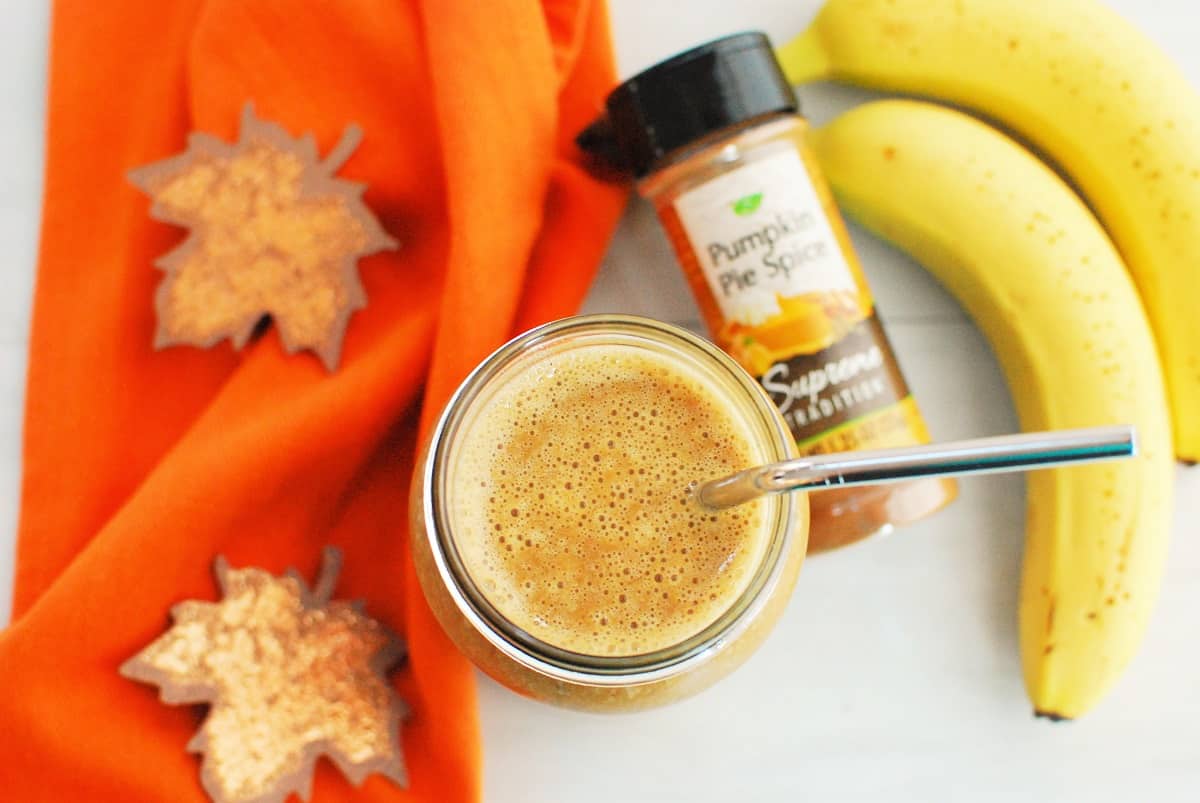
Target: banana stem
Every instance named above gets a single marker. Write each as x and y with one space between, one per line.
804 58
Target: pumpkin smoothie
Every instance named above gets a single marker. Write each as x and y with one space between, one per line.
569 500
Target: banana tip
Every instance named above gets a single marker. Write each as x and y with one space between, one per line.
804 59
1052 716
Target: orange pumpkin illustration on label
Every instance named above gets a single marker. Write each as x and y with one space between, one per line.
805 324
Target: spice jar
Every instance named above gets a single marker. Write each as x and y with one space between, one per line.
714 140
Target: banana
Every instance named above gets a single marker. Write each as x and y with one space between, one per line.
1030 263
1085 88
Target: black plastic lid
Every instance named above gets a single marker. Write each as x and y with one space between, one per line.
719 84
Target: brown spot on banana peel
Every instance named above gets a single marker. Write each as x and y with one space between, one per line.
896 29
1049 646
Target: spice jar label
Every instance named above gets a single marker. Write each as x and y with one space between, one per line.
792 312
762 239
854 377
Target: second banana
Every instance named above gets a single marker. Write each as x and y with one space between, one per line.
1030 263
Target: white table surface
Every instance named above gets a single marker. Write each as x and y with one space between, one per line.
894 673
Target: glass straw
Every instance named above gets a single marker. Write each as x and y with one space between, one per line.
994 455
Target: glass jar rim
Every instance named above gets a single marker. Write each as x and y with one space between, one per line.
548 659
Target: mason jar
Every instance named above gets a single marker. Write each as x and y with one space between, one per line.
536 668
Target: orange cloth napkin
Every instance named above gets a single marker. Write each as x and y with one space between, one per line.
141 466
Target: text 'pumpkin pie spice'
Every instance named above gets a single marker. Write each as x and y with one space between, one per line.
272 233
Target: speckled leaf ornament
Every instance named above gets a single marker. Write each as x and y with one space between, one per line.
272 233
288 675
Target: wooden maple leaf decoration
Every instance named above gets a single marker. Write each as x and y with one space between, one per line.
288 675
272 233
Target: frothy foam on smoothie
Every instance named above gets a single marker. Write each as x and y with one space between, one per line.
569 504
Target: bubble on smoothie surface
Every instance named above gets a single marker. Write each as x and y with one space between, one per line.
569 503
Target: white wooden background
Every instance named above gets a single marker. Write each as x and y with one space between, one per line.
894 674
